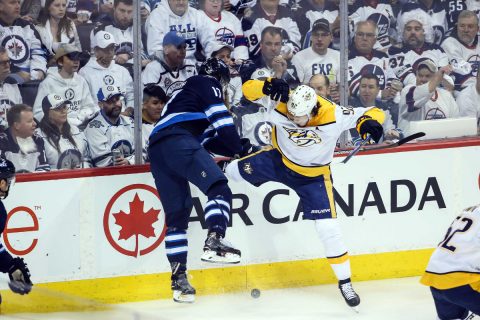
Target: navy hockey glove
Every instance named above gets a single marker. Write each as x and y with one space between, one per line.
19 277
277 89
367 125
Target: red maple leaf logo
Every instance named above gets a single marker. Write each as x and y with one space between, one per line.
137 222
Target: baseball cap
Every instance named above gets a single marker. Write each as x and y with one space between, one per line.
173 38
217 46
103 39
107 92
321 24
53 101
64 49
427 63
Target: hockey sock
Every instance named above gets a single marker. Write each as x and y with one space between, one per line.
176 246
217 209
335 250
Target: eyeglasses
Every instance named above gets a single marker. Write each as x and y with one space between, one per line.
365 35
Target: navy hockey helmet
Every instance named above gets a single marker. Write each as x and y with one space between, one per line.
7 173
216 68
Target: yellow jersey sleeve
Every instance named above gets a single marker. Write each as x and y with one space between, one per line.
252 89
376 114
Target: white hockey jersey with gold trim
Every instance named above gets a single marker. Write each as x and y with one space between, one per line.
307 150
314 144
456 260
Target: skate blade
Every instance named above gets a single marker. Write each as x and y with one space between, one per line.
183 298
228 258
356 309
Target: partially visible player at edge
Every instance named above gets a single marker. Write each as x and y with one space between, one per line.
15 267
194 122
305 133
453 272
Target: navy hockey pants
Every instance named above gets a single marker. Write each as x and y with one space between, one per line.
316 193
456 302
177 158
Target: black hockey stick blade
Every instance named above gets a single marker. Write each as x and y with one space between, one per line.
356 150
398 143
361 147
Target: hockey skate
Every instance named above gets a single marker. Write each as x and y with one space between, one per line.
218 250
350 296
183 292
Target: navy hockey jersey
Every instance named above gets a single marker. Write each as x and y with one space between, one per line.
5 257
199 107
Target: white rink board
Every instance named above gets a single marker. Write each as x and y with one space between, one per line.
72 242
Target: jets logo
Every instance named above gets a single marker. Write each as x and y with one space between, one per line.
303 137
225 35
435 113
70 159
69 94
5 105
17 48
475 62
124 146
263 133
108 80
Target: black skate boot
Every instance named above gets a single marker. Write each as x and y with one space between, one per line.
350 296
218 250
182 290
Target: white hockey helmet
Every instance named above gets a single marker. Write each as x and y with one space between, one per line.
302 101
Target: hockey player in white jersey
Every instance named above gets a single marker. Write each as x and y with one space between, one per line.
102 70
177 15
64 81
426 100
110 130
453 272
170 70
306 131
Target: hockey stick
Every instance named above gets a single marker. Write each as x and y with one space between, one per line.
357 149
387 146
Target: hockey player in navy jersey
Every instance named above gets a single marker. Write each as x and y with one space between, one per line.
194 122
15 267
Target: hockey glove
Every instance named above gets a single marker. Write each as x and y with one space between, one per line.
19 277
247 148
222 164
277 89
365 124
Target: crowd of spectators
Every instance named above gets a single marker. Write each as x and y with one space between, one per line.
66 66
